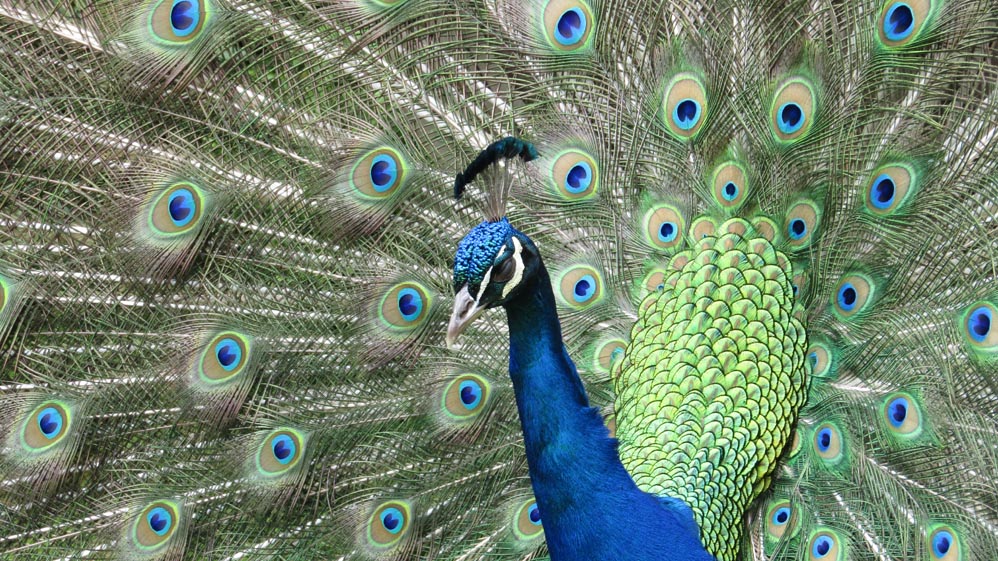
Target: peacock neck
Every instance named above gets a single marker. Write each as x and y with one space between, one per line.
583 492
553 405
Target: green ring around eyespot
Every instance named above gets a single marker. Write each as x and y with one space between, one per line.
173 527
299 452
66 424
197 192
180 42
404 324
404 508
209 348
485 387
521 521
809 116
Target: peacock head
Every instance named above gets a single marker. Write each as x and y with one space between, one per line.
493 262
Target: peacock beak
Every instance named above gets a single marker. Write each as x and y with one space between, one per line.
466 309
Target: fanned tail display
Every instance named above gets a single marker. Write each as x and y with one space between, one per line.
769 233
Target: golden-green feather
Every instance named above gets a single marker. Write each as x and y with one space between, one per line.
227 232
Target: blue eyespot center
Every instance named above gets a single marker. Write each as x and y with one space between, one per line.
813 359
898 411
822 546
797 228
584 289
979 324
900 22
941 543
471 394
579 178
686 114
384 172
571 27
534 514
824 439
882 192
228 353
181 207
847 297
667 232
284 448
50 422
410 303
184 17
616 353
791 118
392 519
781 516
730 191
159 520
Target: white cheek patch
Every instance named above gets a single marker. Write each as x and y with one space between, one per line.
518 271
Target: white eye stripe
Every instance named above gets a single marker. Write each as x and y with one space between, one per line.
488 276
518 272
485 282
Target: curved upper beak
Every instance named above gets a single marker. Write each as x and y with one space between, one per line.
466 309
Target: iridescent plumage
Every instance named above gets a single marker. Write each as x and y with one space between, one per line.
229 248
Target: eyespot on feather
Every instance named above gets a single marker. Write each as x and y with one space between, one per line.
793 111
575 175
828 443
176 23
568 25
729 185
702 227
765 227
389 524
405 306
889 188
852 295
977 325
224 357
902 415
664 226
155 525
655 280
465 397
45 426
819 357
379 174
280 451
801 224
609 351
795 443
527 523
781 520
900 23
580 287
944 544
177 210
825 545
684 105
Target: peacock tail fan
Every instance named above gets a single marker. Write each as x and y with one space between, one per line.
227 232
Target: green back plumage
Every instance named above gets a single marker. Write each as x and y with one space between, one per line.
225 254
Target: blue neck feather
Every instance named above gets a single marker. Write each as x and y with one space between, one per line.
589 505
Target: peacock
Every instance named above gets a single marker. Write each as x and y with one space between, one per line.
252 255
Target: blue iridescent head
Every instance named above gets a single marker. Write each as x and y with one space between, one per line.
477 251
491 262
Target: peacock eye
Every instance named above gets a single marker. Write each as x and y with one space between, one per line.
504 271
